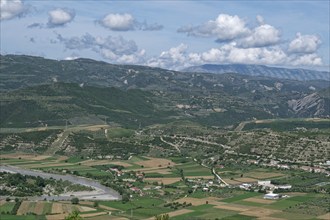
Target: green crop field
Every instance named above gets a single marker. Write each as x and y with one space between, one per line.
239 217
282 204
47 209
289 124
119 133
7 207
23 217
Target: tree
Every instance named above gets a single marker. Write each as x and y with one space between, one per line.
73 216
125 198
162 217
75 200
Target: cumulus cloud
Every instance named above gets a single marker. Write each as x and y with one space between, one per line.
225 27
126 22
116 49
10 9
306 60
262 36
118 22
56 18
179 57
60 17
232 54
175 57
304 44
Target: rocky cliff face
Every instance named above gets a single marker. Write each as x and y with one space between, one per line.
312 103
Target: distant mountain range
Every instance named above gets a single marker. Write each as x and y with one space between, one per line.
260 70
35 90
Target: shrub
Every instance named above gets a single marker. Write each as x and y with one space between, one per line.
75 200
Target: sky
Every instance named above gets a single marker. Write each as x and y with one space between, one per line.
170 34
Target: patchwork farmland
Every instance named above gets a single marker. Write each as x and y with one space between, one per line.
165 188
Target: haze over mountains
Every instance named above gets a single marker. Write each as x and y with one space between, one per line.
261 70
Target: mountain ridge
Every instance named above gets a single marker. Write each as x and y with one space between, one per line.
19 71
262 70
206 98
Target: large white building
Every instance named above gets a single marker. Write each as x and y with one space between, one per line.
271 196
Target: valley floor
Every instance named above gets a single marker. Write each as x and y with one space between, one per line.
178 186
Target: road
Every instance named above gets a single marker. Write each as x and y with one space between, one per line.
219 178
173 145
214 173
100 193
197 140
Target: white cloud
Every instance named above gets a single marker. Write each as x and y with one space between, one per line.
214 55
60 17
118 22
134 58
304 44
225 27
306 60
114 49
11 8
149 27
126 22
178 57
231 54
261 36
260 20
175 58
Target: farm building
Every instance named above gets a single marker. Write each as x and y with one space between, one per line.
264 182
271 196
284 187
245 186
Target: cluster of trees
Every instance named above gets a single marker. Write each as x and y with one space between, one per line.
176 205
25 185
162 217
121 189
102 146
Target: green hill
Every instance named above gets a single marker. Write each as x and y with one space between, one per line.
55 103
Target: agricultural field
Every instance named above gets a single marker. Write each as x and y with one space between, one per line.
175 185
47 210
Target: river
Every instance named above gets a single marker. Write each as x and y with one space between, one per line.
100 193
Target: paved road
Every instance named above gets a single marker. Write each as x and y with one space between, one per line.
100 193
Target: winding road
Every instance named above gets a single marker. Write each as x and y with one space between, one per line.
100 192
